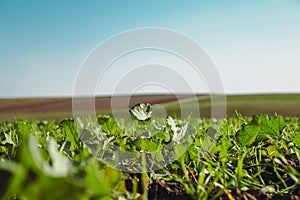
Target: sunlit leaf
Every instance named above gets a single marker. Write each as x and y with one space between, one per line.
8 139
179 131
68 128
259 129
141 111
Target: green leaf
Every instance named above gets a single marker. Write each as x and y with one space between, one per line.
272 150
270 125
207 144
193 153
30 179
239 171
100 182
175 166
296 139
110 126
180 150
162 136
68 128
225 145
247 136
259 129
141 111
157 155
24 129
7 170
147 144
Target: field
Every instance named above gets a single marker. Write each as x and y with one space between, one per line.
59 108
254 153
287 105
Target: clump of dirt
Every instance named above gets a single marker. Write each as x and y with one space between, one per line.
158 190
173 190
164 190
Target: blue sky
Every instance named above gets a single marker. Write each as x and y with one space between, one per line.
255 45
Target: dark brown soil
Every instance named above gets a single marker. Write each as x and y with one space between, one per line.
45 105
160 189
167 190
173 190
59 108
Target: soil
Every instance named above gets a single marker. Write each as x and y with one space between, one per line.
48 105
173 190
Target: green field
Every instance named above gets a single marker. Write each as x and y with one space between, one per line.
287 105
233 158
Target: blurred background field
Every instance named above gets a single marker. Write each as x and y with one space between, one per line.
287 105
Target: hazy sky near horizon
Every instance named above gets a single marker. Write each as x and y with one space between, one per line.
255 45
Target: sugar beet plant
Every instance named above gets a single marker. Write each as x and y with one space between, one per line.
232 158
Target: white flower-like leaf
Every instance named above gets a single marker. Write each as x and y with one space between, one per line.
60 164
179 131
141 111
